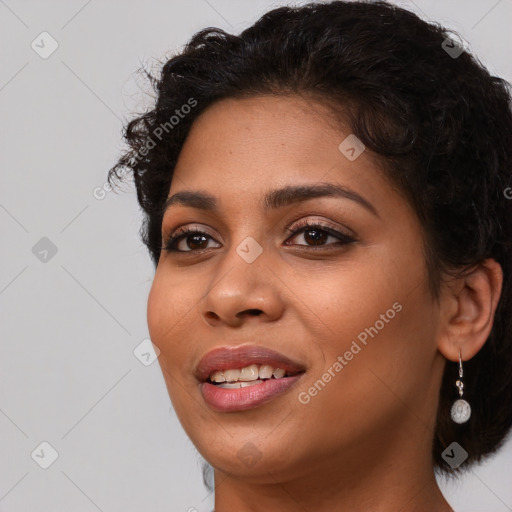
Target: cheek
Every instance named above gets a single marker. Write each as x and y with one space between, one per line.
173 307
379 318
152 311
387 344
349 300
159 312
168 308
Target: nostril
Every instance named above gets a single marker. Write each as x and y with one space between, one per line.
255 312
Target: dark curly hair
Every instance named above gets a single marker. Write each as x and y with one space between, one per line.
436 121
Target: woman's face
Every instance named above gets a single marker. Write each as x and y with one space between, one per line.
351 313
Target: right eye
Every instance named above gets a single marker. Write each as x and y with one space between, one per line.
191 236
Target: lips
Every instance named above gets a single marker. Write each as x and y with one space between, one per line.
221 360
226 358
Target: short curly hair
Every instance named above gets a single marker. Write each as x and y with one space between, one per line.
438 123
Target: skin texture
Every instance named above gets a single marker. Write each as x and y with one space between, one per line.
364 441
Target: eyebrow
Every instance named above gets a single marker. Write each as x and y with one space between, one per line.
273 199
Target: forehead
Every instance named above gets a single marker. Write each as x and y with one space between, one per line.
259 143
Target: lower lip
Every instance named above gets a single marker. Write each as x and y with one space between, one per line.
240 399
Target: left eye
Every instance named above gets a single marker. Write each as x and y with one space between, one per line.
313 234
317 234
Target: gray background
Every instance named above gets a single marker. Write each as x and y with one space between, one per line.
72 320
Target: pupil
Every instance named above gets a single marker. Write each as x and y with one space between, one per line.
195 237
317 238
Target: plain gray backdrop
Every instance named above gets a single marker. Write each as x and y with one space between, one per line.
74 276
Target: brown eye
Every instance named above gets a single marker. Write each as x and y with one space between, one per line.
318 234
192 238
314 236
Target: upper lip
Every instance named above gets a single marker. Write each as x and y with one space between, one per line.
231 357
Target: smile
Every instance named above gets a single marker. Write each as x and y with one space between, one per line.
245 377
248 376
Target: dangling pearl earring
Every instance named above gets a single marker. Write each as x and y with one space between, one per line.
461 411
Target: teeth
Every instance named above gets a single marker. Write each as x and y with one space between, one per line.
250 374
232 375
279 373
227 385
266 371
236 385
218 376
252 383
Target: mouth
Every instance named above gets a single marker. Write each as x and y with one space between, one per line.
251 375
244 377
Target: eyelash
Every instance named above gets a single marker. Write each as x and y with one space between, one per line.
170 242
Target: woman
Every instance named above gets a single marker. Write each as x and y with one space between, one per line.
327 204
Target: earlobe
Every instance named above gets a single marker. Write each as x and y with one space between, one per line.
468 305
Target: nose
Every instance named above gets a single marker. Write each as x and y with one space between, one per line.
244 292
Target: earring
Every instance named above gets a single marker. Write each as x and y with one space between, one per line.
461 411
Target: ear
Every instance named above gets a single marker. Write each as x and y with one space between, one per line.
467 306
